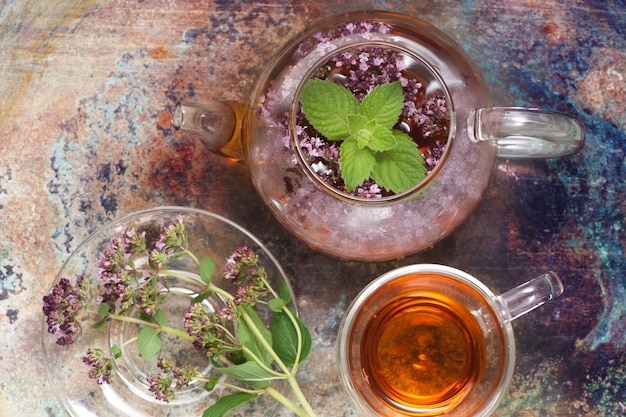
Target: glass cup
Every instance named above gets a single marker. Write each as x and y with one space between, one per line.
427 340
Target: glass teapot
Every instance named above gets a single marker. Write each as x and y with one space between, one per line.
449 114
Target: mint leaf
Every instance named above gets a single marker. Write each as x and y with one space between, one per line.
400 168
383 104
365 135
356 122
207 269
148 342
327 106
370 147
382 139
226 403
356 164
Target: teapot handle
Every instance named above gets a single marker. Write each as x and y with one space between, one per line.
217 124
527 133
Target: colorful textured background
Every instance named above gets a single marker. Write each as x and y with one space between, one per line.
85 88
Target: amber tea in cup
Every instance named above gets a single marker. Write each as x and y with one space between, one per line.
424 349
426 340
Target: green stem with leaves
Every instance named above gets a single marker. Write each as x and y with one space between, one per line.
290 374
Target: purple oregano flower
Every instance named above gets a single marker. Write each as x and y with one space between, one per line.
62 306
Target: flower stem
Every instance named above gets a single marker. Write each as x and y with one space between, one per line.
182 277
290 377
262 340
191 255
165 329
128 342
221 292
262 364
134 320
289 404
176 332
263 278
300 396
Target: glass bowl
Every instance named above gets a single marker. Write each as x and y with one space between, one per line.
128 393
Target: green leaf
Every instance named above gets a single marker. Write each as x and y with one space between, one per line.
226 403
161 317
285 339
202 296
99 324
400 168
249 372
356 122
207 269
276 304
365 135
284 291
116 351
327 106
356 164
211 383
104 310
383 104
382 140
149 342
147 317
249 339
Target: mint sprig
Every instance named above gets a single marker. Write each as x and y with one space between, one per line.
370 146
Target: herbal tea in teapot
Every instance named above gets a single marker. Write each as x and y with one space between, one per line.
372 135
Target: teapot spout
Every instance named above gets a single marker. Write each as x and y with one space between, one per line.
216 124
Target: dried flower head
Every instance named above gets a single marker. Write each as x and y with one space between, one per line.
169 379
62 306
161 386
173 236
100 366
184 374
241 265
148 297
205 327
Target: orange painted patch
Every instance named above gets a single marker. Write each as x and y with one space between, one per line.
159 53
164 120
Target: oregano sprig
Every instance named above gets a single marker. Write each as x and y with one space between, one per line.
370 146
235 340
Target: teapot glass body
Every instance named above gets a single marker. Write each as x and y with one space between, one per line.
266 134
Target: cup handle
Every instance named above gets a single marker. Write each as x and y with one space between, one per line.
527 133
217 124
532 294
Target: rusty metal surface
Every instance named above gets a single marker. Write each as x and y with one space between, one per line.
85 137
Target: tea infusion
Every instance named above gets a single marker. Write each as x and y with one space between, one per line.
423 351
424 117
